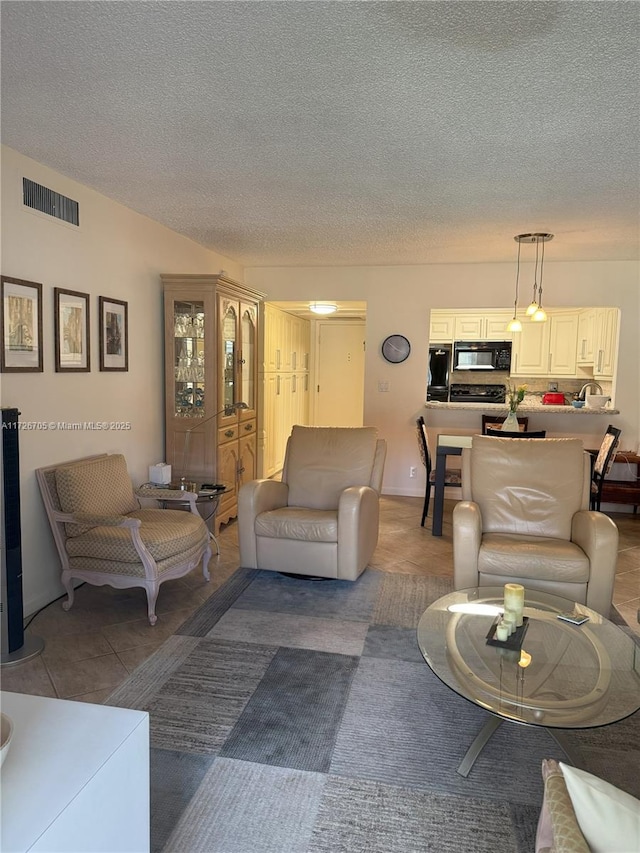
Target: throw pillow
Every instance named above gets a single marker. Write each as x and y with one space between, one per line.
608 817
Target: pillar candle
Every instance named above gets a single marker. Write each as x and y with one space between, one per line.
512 617
509 621
502 631
514 600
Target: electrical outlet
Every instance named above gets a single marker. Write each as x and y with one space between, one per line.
552 386
413 471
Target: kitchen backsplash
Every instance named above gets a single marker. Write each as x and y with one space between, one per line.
536 385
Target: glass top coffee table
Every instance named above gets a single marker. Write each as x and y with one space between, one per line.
565 676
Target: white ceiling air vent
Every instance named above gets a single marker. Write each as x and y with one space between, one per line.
52 203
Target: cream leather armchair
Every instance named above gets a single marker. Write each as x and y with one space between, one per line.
525 517
322 518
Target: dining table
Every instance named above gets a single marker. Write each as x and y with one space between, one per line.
446 445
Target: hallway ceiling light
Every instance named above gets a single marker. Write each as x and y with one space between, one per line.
323 307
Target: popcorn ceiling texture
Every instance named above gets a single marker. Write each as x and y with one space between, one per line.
340 133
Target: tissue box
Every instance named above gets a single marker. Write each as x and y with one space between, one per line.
160 474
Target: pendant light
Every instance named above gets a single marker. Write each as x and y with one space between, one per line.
540 315
532 307
534 310
514 325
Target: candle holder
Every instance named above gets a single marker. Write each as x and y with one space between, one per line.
514 642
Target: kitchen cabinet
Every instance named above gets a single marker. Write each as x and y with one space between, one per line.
546 349
586 337
482 327
605 350
563 335
285 384
597 347
441 327
211 363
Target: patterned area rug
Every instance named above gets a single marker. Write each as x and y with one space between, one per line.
293 716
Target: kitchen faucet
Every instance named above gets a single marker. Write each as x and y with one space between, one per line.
591 385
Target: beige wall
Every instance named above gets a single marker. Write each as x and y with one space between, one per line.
399 300
120 254
116 253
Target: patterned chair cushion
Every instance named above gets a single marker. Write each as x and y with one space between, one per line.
99 487
164 532
558 829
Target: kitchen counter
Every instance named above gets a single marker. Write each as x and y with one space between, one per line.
525 408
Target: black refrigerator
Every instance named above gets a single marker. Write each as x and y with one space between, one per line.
439 370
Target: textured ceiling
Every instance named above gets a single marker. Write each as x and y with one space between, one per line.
290 133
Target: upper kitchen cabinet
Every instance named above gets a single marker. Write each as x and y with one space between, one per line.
211 364
441 327
605 349
598 342
586 336
449 326
546 349
482 327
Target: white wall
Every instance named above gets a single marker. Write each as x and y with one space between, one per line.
116 253
399 300
121 254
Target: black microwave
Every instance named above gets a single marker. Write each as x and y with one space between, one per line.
482 355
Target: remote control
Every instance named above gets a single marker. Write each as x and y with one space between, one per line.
574 618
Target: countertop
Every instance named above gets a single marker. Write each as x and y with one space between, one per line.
525 408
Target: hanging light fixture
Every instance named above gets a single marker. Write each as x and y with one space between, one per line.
540 315
323 307
534 310
532 307
514 325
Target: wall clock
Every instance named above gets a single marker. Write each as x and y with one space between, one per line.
396 348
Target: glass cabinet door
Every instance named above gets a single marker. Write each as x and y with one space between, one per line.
248 356
229 355
188 349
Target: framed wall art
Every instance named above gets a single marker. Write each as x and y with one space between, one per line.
71 326
114 334
21 323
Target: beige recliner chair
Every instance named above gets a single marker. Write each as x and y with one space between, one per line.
525 517
322 519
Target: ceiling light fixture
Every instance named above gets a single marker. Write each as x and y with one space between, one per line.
323 307
514 325
535 310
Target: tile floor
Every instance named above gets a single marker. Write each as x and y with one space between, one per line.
92 648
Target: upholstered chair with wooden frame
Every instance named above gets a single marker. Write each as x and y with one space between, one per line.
104 537
452 476
321 519
524 517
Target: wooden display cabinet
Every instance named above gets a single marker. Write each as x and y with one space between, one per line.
211 351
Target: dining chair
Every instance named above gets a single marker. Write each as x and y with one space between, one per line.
492 422
602 464
499 433
452 476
